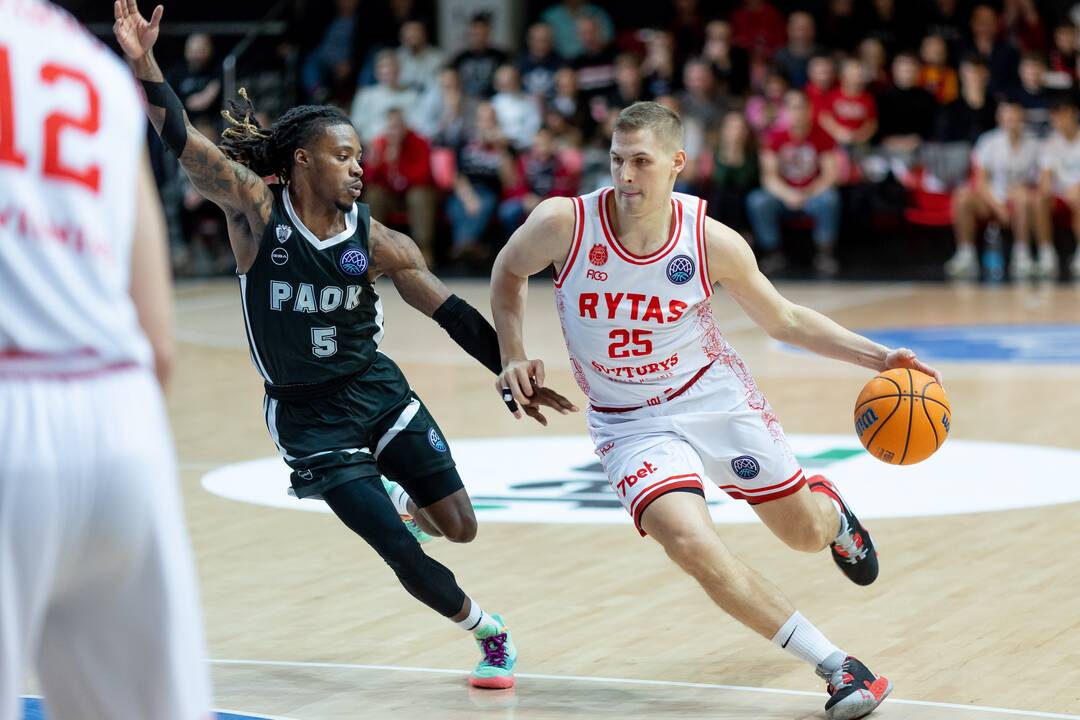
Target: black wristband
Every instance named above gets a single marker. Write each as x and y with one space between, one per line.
471 331
173 131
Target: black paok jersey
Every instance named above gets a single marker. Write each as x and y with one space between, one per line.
310 310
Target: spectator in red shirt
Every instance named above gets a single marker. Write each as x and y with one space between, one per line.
541 174
821 73
849 112
397 177
799 175
760 28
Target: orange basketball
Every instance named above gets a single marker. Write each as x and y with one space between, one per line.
902 416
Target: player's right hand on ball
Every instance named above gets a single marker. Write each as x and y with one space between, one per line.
135 33
519 376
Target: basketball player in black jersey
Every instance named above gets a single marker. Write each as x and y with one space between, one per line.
341 413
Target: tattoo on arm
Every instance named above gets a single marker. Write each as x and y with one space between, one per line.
228 184
220 179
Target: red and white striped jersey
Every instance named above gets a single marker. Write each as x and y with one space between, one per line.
638 328
72 128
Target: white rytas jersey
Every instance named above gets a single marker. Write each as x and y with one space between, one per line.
639 329
72 128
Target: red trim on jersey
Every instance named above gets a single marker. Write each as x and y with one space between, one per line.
659 489
613 240
663 399
17 354
24 372
765 494
706 281
760 499
579 230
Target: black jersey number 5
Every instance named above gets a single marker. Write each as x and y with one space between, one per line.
324 341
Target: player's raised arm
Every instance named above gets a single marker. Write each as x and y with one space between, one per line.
732 264
230 185
544 239
395 255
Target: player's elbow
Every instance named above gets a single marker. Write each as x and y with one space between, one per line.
783 325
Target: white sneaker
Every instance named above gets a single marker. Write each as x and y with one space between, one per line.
1047 264
1021 267
963 265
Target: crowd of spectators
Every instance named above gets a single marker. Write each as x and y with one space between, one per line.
809 118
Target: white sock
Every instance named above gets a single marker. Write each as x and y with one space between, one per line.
400 498
474 619
800 638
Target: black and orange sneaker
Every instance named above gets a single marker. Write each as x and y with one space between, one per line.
854 691
853 550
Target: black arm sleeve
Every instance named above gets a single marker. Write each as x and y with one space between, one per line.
173 132
471 331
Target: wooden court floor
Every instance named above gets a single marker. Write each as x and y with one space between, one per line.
973 614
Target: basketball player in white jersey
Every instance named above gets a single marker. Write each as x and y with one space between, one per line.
671 403
97 585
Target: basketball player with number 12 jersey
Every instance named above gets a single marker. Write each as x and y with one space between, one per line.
671 404
97 583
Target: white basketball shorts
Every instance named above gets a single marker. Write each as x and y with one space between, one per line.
97 584
721 429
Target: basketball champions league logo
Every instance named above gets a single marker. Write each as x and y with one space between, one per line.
680 269
353 261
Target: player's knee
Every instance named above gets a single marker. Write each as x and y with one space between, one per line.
460 528
691 547
809 536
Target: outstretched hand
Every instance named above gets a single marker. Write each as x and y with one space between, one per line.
546 397
905 358
135 33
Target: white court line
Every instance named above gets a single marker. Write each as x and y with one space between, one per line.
664 683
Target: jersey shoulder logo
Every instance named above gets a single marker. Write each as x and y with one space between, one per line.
598 254
353 261
680 269
283 232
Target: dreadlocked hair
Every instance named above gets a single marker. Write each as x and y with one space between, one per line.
270 151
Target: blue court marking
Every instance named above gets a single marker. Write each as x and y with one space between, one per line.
1032 344
33 710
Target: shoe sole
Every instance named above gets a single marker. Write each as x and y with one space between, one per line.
839 716
492 683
